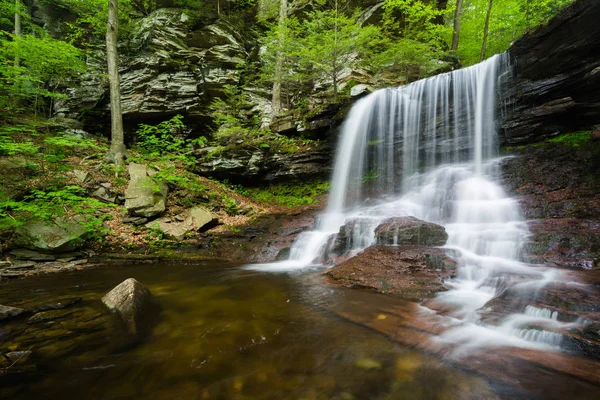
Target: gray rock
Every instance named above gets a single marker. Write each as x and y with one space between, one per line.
19 357
50 315
59 304
360 90
7 312
24 254
198 218
173 230
52 236
103 194
82 176
144 196
65 123
133 303
410 231
137 221
172 68
191 220
77 133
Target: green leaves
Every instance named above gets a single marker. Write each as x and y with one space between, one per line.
49 204
510 19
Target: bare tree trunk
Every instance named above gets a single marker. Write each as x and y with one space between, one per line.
17 29
276 97
485 31
117 145
457 16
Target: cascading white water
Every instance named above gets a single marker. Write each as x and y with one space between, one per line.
428 150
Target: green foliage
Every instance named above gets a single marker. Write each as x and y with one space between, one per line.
52 203
509 20
44 63
165 140
230 205
290 194
575 139
10 145
174 177
416 20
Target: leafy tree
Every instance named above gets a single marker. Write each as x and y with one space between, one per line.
43 62
508 21
332 41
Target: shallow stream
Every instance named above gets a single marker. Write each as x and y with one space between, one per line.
223 333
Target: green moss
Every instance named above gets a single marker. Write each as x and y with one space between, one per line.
289 194
574 139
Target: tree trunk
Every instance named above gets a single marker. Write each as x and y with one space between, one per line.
17 29
485 31
457 16
276 98
117 145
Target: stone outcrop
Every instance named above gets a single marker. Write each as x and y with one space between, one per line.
58 236
145 196
170 67
413 273
249 164
557 77
133 303
178 227
410 231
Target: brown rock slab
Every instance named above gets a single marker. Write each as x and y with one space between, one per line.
411 272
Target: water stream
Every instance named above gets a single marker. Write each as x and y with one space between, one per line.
430 150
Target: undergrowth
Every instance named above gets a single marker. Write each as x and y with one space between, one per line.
575 139
289 194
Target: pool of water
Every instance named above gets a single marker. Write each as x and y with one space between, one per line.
222 333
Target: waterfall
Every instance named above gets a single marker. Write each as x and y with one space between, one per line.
429 150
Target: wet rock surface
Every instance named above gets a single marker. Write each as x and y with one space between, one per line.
269 238
558 187
133 303
412 273
7 312
410 231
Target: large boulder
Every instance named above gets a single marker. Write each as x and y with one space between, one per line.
58 236
413 273
410 231
133 303
144 195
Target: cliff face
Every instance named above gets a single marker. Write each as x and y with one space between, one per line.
169 67
556 87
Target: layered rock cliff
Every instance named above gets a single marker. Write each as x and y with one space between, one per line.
556 87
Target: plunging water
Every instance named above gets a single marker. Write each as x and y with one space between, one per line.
429 150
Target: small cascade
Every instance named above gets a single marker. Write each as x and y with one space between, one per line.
429 150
